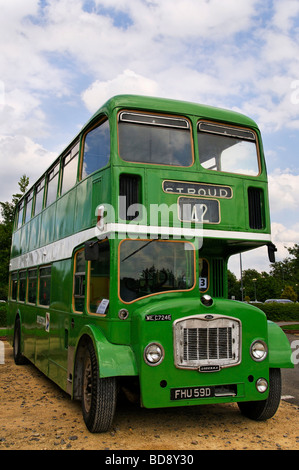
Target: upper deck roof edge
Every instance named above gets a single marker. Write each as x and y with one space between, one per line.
140 102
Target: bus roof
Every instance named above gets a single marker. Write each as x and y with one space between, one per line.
149 103
175 107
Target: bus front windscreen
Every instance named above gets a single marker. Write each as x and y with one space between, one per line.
149 267
223 148
161 140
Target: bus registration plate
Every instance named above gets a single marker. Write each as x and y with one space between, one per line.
189 393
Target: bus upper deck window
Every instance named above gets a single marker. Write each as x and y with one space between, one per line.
29 201
39 196
69 169
20 214
96 149
162 140
228 149
53 176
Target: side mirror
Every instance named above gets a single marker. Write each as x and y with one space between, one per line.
271 252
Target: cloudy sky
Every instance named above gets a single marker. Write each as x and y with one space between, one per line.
61 59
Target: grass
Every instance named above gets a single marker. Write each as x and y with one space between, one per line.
290 327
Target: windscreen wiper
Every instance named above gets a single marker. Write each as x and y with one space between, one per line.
136 251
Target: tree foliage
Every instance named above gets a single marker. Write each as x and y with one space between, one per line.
281 283
6 225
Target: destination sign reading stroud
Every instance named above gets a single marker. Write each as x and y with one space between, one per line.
197 189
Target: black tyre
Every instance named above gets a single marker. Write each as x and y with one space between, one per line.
98 395
17 352
265 409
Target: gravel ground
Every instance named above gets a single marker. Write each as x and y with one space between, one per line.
37 415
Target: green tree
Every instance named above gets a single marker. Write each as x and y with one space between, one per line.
294 262
251 280
6 225
260 286
289 293
286 272
234 286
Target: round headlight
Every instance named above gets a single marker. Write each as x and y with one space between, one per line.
258 350
261 385
207 300
153 354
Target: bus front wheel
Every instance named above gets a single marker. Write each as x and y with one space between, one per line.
98 394
265 409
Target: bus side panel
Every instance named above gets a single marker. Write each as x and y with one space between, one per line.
280 353
42 339
65 215
29 318
60 319
82 212
48 225
15 244
34 233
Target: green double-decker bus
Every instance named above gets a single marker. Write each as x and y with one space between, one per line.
118 272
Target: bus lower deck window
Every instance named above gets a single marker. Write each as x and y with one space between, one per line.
79 282
22 286
99 278
14 286
32 285
44 286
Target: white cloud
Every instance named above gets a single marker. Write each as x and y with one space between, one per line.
255 259
233 54
20 155
284 237
15 10
128 82
285 14
283 191
168 45
22 114
212 19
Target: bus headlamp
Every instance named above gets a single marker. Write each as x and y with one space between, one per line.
153 354
207 300
261 385
258 350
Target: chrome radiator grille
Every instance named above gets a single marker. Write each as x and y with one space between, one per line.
199 341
